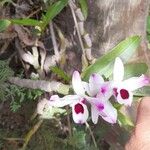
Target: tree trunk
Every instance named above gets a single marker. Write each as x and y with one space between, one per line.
111 21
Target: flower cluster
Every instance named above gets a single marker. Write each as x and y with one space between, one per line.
97 93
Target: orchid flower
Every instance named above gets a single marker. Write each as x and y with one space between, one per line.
77 102
100 105
98 94
123 89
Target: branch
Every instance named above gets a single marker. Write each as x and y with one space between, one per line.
41 84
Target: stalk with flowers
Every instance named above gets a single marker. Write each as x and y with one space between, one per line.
97 93
101 88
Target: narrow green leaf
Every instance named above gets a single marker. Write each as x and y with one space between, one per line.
124 120
25 22
84 7
148 24
148 37
104 64
61 73
144 91
4 23
135 69
53 11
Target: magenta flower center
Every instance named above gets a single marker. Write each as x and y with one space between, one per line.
100 107
79 108
103 90
124 94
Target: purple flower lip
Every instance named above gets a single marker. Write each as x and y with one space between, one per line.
79 108
124 94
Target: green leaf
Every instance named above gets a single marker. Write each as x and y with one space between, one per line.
25 22
84 7
148 24
104 64
124 120
4 23
61 73
135 69
144 91
52 12
148 37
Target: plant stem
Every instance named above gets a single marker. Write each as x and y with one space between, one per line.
91 133
77 27
41 84
68 120
31 133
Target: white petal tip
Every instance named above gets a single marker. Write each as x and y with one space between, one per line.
118 59
76 73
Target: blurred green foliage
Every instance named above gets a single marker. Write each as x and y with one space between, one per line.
15 94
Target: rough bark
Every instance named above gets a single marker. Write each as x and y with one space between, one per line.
111 21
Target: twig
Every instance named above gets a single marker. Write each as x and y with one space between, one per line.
31 133
41 84
56 52
4 47
92 135
33 13
76 25
13 139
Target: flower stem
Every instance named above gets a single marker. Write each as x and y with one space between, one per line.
91 133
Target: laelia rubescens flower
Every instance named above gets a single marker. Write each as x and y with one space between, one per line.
123 89
98 94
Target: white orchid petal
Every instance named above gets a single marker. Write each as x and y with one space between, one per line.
77 84
95 82
109 113
94 114
105 91
86 87
56 101
136 82
79 112
109 120
118 72
93 100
